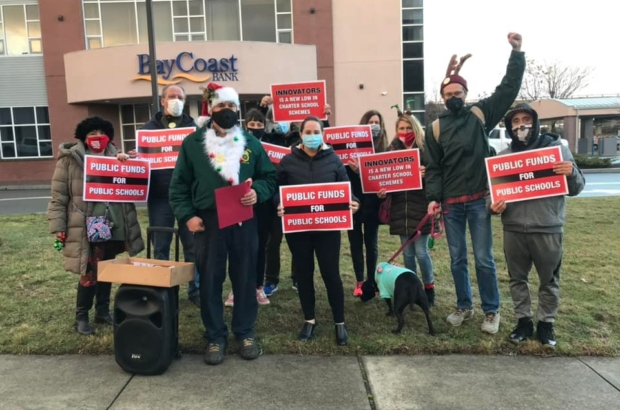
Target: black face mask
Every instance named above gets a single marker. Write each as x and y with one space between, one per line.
225 118
455 104
259 133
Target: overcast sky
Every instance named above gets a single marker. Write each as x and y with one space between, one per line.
573 32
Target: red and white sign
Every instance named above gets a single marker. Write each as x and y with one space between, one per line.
276 152
161 147
106 179
350 142
526 175
393 171
316 207
294 102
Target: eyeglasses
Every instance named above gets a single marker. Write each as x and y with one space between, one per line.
457 94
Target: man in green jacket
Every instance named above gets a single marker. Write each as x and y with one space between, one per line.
221 154
456 146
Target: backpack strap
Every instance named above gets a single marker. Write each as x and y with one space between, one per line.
436 129
478 113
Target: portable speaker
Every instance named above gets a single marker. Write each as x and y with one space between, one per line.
145 328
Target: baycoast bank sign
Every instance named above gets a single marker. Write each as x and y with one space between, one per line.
187 66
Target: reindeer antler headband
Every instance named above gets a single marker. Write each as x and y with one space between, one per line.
452 73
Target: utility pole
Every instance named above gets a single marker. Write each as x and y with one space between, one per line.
153 58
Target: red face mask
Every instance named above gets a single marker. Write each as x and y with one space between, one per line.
97 143
407 138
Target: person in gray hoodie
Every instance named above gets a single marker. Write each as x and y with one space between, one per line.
534 231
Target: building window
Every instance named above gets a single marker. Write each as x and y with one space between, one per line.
25 133
123 22
133 117
413 57
20 30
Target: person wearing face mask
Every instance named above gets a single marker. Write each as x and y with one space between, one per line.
255 125
284 134
221 154
366 222
160 212
67 213
408 208
456 147
313 162
534 231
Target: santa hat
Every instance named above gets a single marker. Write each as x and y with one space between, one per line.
452 74
214 94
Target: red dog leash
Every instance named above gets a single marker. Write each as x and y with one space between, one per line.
434 233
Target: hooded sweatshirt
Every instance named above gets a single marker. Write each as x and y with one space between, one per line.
544 215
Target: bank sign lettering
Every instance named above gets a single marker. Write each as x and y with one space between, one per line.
186 67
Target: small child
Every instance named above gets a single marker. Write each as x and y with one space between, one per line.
534 231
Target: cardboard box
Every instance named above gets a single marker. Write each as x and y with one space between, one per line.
147 272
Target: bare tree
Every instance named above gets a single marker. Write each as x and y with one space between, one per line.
553 80
433 106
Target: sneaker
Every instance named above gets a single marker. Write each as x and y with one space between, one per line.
294 287
270 289
248 349
261 298
490 323
546 334
215 354
358 289
524 330
230 301
460 315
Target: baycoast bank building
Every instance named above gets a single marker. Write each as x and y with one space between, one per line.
64 60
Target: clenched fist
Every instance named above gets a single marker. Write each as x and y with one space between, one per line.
515 41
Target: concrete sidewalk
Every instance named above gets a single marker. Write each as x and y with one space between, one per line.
296 382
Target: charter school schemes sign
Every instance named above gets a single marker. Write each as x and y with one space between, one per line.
526 175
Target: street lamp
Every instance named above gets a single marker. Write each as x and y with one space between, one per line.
153 59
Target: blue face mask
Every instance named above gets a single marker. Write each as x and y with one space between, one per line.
313 141
284 127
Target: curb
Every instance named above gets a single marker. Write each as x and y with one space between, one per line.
601 171
23 187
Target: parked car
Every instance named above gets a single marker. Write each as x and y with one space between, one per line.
499 139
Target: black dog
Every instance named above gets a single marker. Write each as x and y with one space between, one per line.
408 291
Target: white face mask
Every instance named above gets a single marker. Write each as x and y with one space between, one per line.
523 132
175 107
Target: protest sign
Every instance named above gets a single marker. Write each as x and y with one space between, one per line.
316 207
525 175
106 179
350 142
294 102
161 147
276 152
393 171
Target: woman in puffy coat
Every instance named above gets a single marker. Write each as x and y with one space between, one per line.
408 208
313 162
67 213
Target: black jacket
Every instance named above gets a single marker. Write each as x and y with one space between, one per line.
455 160
298 168
160 179
408 208
369 203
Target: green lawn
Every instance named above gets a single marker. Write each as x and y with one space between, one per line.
37 299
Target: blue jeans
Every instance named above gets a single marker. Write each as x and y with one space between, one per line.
476 215
160 214
419 250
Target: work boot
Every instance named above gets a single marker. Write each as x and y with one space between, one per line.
83 304
102 307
